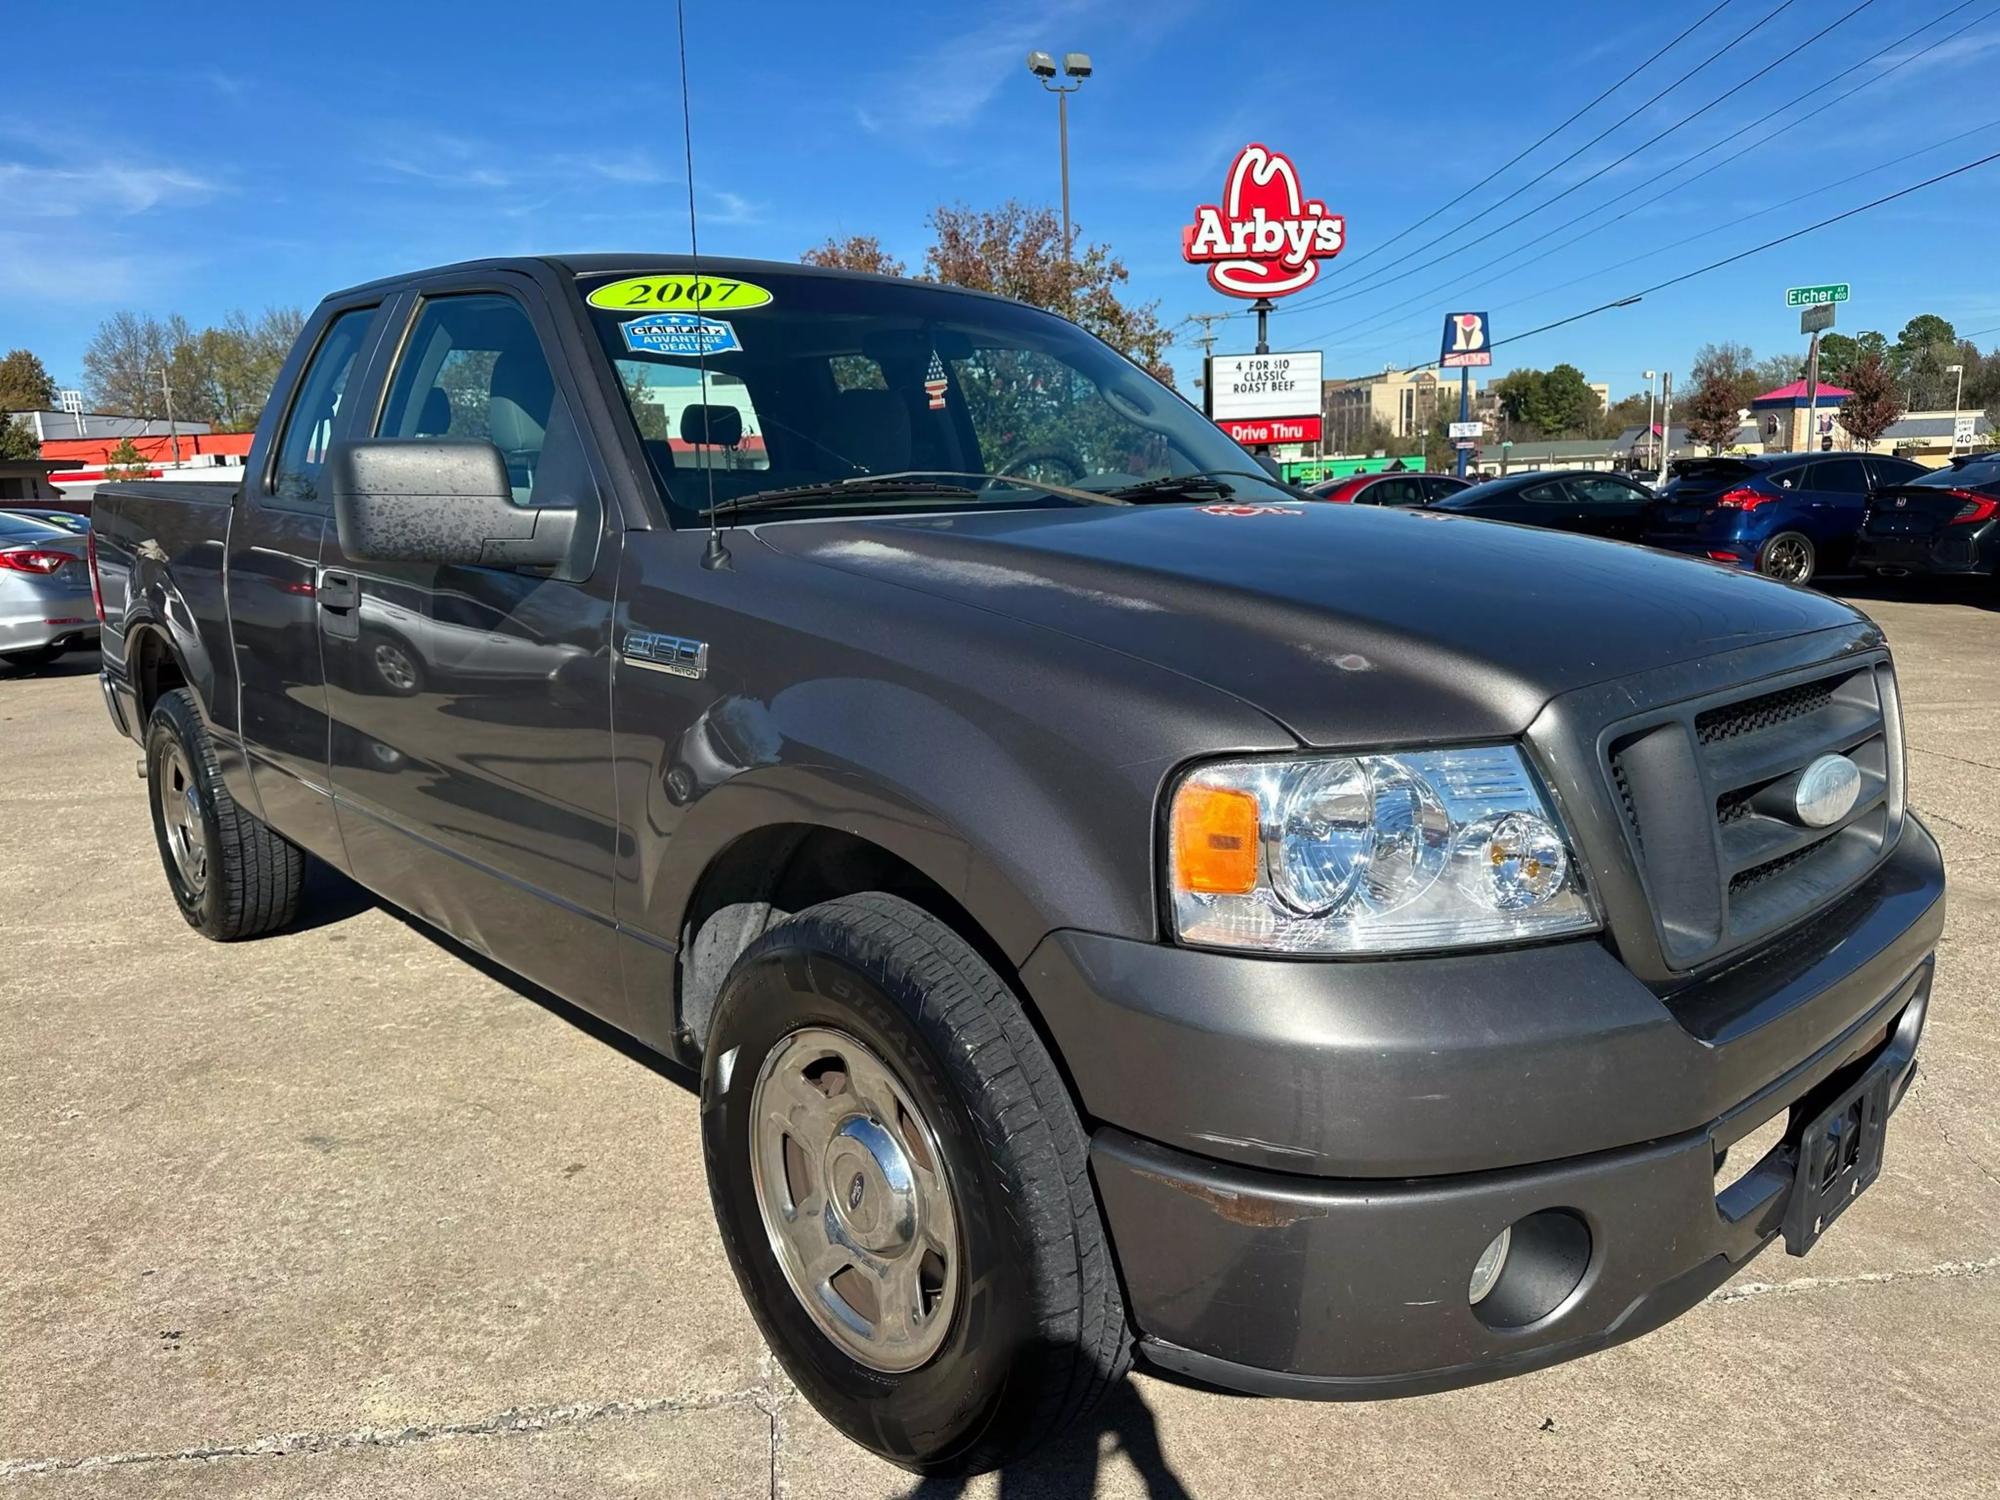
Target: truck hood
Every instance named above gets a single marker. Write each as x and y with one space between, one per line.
1347 624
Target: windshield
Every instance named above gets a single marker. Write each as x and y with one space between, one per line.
1963 475
816 380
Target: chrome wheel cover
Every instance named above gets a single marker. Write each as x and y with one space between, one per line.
853 1194
181 820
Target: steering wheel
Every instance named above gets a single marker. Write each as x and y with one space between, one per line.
1020 458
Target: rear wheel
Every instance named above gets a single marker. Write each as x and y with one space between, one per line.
1789 558
903 1188
231 876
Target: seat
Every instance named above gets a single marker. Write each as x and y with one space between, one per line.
435 419
517 414
870 429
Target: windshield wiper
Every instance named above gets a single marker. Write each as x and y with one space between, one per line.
861 487
1212 482
903 482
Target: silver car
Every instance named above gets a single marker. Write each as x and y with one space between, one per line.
45 601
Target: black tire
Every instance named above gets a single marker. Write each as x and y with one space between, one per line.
249 878
1789 557
1038 1332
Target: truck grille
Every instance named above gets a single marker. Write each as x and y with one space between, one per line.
1707 793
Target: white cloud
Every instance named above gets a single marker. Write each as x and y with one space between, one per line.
67 192
947 87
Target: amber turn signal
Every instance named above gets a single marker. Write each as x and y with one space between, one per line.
1215 841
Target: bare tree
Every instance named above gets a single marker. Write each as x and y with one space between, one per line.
119 365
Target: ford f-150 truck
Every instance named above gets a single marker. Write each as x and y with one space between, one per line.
1332 951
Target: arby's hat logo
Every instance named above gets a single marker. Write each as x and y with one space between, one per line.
1266 238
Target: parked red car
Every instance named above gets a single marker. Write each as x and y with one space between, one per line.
1388 489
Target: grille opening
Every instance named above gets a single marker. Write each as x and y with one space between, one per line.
1733 807
1625 802
1715 725
1756 875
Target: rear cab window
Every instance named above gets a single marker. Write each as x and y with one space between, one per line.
300 455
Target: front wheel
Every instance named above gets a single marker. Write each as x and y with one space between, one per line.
902 1185
1789 558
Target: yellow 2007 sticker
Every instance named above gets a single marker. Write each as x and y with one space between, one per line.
679 289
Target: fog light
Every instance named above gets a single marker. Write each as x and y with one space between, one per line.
1486 1270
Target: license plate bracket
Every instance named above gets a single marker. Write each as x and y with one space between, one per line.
1839 1156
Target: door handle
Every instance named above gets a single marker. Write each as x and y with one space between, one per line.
339 591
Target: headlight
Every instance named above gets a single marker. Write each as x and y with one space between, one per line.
1370 854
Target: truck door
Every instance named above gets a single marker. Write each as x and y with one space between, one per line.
273 562
470 706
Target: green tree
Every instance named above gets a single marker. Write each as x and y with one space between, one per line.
126 462
25 383
1923 351
1874 404
1713 412
17 440
1839 355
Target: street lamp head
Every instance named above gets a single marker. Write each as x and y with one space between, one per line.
1651 374
1041 65
1076 64
1954 369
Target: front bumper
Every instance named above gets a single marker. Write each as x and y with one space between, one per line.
1412 1109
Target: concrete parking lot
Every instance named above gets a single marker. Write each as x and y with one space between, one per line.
343 1212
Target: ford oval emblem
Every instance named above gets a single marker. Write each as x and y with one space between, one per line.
1828 790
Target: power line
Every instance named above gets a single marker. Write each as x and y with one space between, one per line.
1629 115
1457 281
1727 260
1645 145
1700 235
1542 140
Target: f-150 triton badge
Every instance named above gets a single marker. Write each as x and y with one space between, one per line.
666 653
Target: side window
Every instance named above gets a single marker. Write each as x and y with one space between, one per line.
1544 494
1597 490
1887 471
1390 492
472 368
308 429
1838 476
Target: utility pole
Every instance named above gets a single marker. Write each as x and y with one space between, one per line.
1957 401
173 433
1666 420
1206 338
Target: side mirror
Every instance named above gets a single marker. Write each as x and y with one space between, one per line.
439 500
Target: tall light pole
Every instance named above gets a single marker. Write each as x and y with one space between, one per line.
1651 376
1076 67
1957 400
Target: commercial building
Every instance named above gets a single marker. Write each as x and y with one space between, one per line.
57 426
1401 400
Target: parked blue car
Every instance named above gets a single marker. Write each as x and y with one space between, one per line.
1790 516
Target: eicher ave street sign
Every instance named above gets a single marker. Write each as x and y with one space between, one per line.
1266 238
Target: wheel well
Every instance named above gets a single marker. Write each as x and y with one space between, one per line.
767 875
155 670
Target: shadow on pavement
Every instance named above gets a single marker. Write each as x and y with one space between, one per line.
69 664
1980 593
1069 1469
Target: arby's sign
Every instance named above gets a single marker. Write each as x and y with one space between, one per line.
1266 238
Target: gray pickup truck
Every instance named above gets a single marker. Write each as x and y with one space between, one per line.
1114 902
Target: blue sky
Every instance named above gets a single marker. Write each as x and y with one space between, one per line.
239 156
